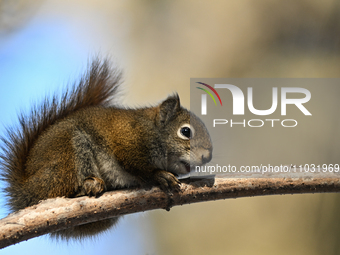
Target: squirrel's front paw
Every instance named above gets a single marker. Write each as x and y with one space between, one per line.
93 186
167 181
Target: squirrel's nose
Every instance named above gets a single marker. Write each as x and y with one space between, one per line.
206 156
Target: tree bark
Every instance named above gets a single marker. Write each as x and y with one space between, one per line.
60 213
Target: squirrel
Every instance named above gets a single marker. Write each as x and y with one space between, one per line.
80 144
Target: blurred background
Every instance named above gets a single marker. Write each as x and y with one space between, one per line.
160 45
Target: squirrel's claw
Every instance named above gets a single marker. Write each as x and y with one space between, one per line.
167 181
93 186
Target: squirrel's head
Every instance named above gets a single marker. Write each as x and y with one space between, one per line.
187 141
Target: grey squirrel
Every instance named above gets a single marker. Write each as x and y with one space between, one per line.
79 145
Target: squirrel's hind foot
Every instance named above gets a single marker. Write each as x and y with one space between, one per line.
92 186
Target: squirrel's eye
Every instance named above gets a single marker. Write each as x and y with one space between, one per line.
185 132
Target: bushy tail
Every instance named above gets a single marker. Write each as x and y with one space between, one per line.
96 88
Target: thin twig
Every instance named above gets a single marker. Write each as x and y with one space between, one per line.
61 213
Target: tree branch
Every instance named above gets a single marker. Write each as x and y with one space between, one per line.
61 213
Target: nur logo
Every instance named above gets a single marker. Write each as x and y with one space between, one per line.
204 97
239 99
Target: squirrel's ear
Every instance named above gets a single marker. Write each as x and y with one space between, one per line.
168 108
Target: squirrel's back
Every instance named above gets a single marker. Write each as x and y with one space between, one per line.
96 88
